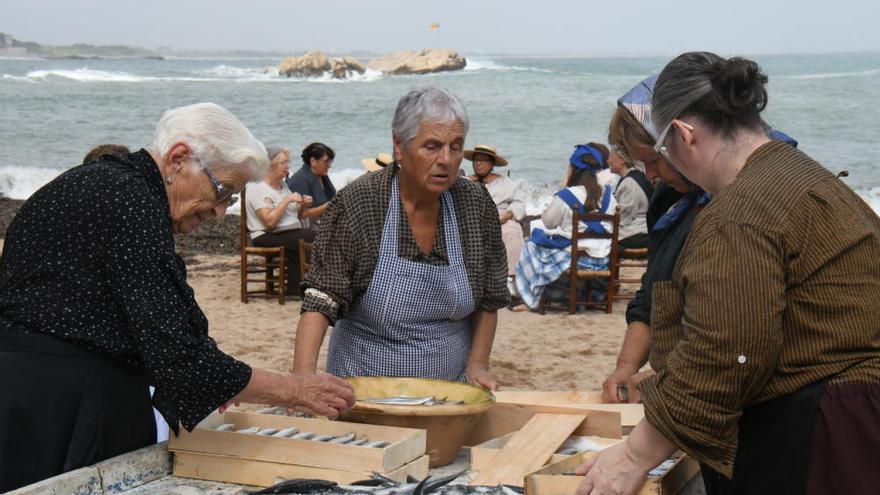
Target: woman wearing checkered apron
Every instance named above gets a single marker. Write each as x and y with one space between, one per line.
409 264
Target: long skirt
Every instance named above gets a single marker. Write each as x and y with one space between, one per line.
512 236
820 440
290 240
64 407
539 266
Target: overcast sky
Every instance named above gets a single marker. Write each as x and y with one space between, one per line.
470 26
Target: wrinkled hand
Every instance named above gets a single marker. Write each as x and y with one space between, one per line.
482 377
294 198
612 472
308 200
322 394
622 376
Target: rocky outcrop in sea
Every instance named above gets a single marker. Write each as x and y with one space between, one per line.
423 62
315 64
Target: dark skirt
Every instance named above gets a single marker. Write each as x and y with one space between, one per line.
290 240
637 241
819 440
845 457
64 407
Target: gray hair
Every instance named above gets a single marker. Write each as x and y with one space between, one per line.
423 104
725 94
215 136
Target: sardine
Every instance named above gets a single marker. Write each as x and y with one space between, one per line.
359 441
300 486
267 431
343 439
277 410
376 444
323 438
252 429
287 432
225 427
400 400
303 435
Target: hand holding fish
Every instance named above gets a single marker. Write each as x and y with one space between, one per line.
622 469
612 472
621 377
482 377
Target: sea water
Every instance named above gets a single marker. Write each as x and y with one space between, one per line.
533 109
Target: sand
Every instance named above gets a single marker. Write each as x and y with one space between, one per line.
555 351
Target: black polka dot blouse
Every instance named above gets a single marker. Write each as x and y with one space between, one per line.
90 259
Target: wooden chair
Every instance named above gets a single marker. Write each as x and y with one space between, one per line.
629 258
264 272
576 274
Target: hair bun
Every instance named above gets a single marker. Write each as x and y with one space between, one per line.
740 85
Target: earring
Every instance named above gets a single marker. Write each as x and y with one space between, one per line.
169 179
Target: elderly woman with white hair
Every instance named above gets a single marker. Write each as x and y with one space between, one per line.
409 265
94 304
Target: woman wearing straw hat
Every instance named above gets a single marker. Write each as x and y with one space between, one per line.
381 161
511 209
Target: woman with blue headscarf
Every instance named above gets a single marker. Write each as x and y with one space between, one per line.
547 255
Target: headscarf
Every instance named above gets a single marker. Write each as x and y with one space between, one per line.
638 102
583 150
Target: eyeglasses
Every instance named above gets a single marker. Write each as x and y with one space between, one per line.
223 193
660 145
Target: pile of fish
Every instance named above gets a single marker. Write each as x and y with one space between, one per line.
403 400
347 439
380 485
283 411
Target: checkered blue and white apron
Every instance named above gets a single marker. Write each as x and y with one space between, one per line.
414 318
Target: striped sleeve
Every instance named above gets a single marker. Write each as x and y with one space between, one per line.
732 322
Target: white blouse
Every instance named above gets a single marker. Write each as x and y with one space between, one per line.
505 195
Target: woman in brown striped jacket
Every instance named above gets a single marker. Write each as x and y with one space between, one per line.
766 342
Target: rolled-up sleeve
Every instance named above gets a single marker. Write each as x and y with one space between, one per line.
731 294
327 287
192 376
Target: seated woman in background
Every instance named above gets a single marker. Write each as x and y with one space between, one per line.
633 193
274 214
545 257
511 209
312 180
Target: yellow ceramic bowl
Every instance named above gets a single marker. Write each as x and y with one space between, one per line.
448 425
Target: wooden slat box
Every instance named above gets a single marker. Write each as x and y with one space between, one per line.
482 454
406 444
666 480
630 414
262 473
506 418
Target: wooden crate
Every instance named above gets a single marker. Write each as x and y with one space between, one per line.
406 444
262 473
553 480
630 414
482 454
506 418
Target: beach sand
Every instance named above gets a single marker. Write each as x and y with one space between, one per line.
555 351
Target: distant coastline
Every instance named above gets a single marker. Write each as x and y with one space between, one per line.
12 47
